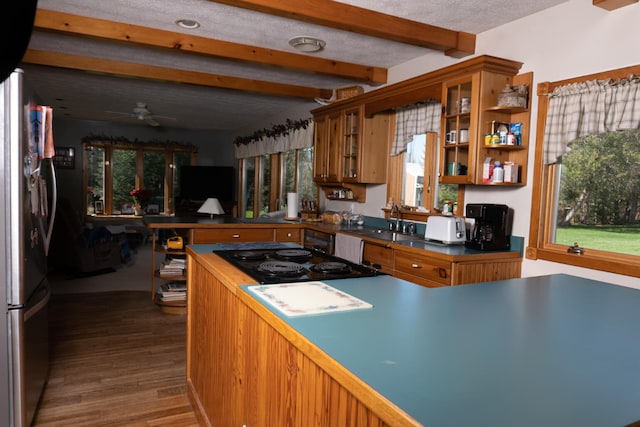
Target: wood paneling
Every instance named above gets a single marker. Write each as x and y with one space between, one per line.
245 370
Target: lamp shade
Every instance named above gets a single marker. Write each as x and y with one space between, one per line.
212 207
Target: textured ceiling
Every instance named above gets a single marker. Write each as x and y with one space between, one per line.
93 96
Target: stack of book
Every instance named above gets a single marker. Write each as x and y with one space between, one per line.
173 267
172 291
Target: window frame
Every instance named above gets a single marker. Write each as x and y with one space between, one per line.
276 182
540 245
395 167
109 147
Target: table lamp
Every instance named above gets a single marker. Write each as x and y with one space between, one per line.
212 207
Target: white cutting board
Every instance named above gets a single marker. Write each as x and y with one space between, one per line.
304 298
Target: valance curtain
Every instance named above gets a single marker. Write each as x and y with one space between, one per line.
587 108
415 120
293 139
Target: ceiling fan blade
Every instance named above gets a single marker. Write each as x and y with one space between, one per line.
151 122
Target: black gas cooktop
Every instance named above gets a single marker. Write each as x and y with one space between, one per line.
293 265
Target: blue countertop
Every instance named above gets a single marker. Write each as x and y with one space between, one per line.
548 351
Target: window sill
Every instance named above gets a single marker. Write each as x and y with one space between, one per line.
592 259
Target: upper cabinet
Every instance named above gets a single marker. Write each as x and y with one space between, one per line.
327 159
349 148
481 126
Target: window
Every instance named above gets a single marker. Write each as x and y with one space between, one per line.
266 180
414 178
585 207
113 169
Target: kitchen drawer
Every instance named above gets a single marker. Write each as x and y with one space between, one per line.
432 271
378 256
288 235
223 235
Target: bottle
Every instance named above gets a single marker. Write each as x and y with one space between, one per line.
498 172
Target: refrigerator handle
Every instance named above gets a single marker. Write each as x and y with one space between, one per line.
54 205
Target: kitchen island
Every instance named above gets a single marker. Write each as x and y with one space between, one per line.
554 351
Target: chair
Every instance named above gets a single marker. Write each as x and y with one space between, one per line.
80 248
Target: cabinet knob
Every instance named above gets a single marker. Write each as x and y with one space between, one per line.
289 234
414 265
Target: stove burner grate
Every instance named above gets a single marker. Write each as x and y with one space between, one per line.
331 267
281 268
294 254
249 255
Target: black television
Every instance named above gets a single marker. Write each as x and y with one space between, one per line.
198 183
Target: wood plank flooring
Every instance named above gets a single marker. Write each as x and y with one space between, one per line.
116 360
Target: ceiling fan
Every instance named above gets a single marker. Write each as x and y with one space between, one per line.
142 113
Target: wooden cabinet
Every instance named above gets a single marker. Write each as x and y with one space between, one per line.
349 148
432 271
326 160
242 370
235 234
470 111
422 269
378 256
289 235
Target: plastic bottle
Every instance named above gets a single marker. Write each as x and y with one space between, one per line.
498 172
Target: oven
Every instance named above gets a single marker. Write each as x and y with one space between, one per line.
319 241
268 266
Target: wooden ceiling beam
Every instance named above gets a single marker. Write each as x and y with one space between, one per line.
151 72
365 21
66 23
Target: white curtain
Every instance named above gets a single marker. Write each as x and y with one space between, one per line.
415 120
294 139
587 108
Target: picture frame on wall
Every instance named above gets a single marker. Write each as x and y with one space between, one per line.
65 158
127 208
153 209
98 206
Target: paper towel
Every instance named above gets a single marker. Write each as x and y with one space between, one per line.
292 205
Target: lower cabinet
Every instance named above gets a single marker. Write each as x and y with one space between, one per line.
245 234
225 235
422 269
293 235
243 369
431 271
378 256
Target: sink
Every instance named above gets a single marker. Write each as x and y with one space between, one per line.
387 235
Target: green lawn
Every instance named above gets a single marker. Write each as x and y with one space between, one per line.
614 238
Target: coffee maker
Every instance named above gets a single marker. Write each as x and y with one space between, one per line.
492 228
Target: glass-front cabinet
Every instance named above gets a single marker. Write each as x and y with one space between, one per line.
480 134
351 141
458 124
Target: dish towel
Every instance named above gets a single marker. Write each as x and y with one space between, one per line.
348 247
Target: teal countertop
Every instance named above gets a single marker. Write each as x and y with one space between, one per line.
546 351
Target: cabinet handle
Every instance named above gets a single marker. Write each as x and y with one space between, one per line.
414 265
442 273
235 236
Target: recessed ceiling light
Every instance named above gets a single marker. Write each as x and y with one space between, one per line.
307 44
189 24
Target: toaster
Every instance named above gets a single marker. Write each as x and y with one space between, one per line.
450 230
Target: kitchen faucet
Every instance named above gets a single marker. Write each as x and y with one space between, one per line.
396 208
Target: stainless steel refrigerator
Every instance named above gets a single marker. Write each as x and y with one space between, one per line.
27 210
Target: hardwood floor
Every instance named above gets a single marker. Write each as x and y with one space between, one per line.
116 360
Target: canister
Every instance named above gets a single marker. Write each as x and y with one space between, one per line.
465 105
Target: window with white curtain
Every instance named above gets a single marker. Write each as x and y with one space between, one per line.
272 166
